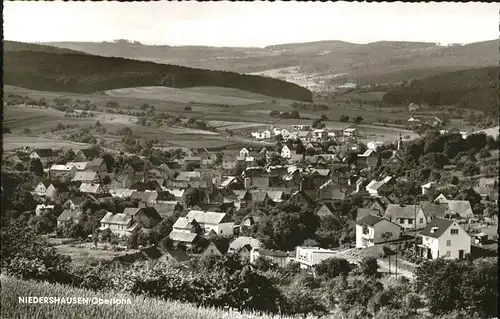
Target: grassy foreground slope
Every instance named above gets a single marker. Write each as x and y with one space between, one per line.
474 89
141 307
35 67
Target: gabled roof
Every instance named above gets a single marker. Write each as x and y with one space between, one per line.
147 197
151 253
259 196
85 176
45 152
372 220
363 212
460 207
242 241
68 214
77 200
240 194
203 217
117 219
90 188
178 255
434 209
401 211
90 152
183 223
329 206
182 237
439 225
60 186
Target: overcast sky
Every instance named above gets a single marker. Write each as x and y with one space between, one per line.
249 23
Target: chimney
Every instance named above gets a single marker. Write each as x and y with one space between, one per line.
248 182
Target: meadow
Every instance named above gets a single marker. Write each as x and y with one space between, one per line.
142 307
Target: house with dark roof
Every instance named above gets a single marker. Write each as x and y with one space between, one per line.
444 238
214 249
40 189
300 198
151 185
74 215
433 210
55 189
406 216
249 221
147 217
372 230
45 155
176 256
75 202
86 155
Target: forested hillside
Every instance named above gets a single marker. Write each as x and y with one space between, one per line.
474 89
32 66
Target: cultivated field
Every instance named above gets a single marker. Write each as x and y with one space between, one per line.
142 307
180 95
293 75
222 91
11 142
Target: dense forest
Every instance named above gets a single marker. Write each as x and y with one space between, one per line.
64 71
474 89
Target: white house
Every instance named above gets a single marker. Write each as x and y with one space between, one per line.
262 135
301 127
280 258
121 225
244 152
373 187
281 131
349 132
40 208
406 216
372 230
288 151
444 238
219 223
308 257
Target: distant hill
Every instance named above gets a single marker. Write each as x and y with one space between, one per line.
372 63
474 89
47 68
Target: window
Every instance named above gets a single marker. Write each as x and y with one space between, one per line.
448 243
454 231
421 220
401 220
448 253
410 221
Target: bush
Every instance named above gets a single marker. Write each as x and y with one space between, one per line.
369 267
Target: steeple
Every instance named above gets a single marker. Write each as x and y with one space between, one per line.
400 142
